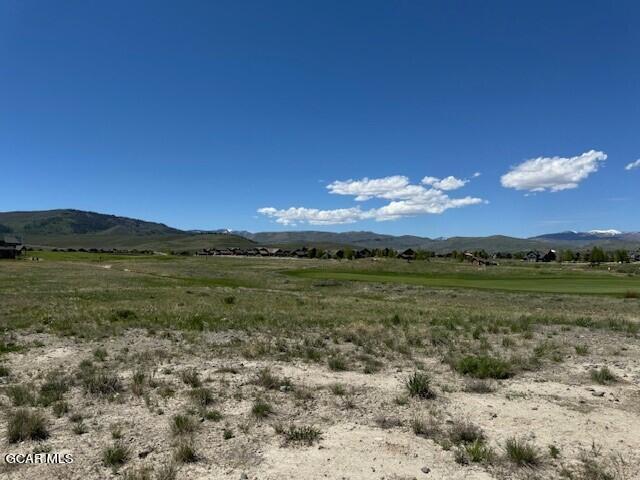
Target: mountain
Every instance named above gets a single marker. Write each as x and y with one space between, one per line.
79 229
77 222
376 240
605 238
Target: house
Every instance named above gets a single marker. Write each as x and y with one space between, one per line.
470 257
300 252
634 256
550 256
408 254
532 256
364 253
11 247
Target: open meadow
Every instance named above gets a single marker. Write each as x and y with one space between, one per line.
164 367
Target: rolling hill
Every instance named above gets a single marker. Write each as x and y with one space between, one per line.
80 229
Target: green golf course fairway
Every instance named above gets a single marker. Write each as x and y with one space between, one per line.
585 284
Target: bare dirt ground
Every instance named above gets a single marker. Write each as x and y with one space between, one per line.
364 420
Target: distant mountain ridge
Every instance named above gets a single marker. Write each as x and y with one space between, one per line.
71 228
77 228
606 238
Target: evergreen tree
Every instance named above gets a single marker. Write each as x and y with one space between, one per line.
598 255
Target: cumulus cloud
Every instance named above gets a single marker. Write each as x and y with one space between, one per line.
448 183
313 216
406 200
553 173
365 189
633 165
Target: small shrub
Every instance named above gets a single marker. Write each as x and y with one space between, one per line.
337 389
60 408
303 394
385 422
201 397
508 342
465 432
270 381
554 452
337 363
480 386
20 395
603 376
116 431
185 452
138 381
419 385
479 452
372 366
52 390
141 473
79 428
4 371
167 471
582 350
124 314
213 415
227 434
306 435
100 354
348 401
425 428
522 453
631 294
75 418
261 409
116 455
102 384
182 425
484 367
191 377
229 300
23 424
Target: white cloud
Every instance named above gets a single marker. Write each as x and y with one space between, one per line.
633 165
365 189
313 216
406 200
553 173
448 183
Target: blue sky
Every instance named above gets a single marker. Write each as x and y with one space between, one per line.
198 114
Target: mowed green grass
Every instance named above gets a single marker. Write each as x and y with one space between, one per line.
570 283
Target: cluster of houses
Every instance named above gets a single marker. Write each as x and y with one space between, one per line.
11 247
476 260
534 256
106 251
305 252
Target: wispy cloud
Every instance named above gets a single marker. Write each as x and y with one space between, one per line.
553 173
633 165
406 200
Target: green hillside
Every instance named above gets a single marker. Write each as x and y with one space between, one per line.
79 229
